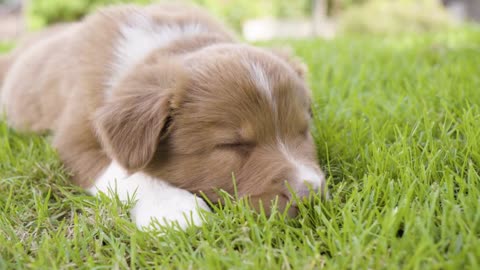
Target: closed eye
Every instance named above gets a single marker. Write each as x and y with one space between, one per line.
243 146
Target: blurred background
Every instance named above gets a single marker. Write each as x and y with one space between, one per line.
270 19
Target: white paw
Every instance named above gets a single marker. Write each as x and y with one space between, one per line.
156 201
178 206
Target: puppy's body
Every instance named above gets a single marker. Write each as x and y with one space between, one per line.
149 100
57 82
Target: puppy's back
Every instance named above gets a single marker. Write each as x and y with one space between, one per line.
48 67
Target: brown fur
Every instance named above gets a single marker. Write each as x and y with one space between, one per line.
5 62
190 113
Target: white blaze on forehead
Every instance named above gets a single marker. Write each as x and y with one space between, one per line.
262 81
304 173
139 37
154 198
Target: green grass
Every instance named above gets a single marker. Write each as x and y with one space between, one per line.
397 124
5 46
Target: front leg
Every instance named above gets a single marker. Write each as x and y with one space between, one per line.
155 198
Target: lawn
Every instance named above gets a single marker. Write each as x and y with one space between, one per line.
397 125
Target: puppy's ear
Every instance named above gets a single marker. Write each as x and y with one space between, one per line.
136 115
296 64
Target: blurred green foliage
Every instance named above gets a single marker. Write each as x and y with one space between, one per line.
394 17
45 12
5 46
234 12
353 16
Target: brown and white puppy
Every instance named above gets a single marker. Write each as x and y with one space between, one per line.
161 102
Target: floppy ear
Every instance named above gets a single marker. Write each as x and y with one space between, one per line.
135 117
296 64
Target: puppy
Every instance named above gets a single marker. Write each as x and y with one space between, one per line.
161 103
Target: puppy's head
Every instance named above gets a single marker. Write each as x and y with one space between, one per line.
224 111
